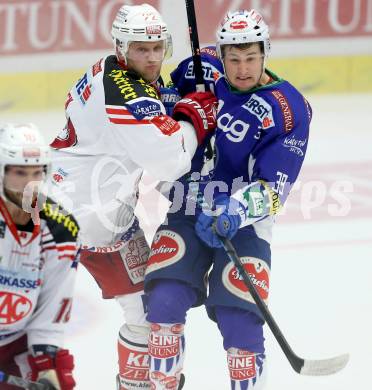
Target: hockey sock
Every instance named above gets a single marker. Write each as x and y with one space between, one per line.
166 350
243 340
133 359
246 369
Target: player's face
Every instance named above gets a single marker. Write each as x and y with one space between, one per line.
243 68
146 59
16 178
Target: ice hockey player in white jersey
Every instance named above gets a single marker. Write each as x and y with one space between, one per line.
37 265
116 128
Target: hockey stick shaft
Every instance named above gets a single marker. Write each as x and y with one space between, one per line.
301 366
23 383
195 49
233 256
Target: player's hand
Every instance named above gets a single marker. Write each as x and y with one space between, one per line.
169 97
56 371
199 108
225 223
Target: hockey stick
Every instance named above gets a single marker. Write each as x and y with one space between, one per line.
195 49
24 383
301 366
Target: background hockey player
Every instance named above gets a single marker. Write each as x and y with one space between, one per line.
245 175
37 265
116 128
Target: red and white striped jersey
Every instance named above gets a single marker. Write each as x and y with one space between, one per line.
37 273
116 128
112 111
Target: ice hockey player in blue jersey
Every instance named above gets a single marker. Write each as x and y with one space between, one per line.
240 179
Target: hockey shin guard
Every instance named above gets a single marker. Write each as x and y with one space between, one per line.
166 350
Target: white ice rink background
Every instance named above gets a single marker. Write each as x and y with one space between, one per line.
321 278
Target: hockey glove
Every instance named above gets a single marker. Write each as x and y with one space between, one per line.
169 97
225 222
56 370
200 109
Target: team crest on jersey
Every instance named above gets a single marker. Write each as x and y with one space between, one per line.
167 248
260 109
13 307
208 71
259 272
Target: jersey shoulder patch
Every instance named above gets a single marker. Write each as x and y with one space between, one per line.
62 225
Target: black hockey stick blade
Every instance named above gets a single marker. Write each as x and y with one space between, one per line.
301 366
195 48
23 383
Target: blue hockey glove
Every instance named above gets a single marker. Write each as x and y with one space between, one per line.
169 97
226 224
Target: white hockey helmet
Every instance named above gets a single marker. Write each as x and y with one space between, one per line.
243 27
22 144
140 23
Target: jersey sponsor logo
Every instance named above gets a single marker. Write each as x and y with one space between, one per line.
286 110
208 71
143 107
235 130
61 217
18 282
260 109
13 308
97 67
59 176
273 193
295 145
84 89
135 257
165 124
167 248
209 50
169 96
129 88
66 138
259 272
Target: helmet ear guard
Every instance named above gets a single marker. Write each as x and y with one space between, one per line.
139 23
241 27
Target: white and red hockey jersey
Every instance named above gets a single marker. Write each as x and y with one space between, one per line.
116 128
37 274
